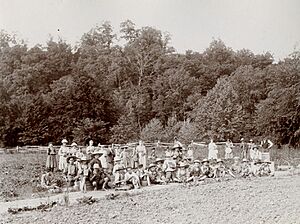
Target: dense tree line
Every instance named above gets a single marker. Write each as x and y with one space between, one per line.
143 89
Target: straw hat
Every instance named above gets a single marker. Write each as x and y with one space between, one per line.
196 161
159 160
97 153
70 157
245 160
219 161
205 161
64 141
151 165
177 146
182 164
84 158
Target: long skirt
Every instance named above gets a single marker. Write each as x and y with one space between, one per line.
62 163
51 162
213 154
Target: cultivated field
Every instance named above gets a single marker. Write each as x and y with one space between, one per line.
260 200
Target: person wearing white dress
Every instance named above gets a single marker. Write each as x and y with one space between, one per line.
62 153
228 149
212 150
141 150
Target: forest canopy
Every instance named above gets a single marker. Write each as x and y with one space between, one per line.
115 93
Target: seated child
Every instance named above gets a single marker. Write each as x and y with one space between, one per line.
206 170
169 167
236 166
245 169
182 173
132 179
96 177
195 171
159 169
142 174
263 168
47 181
220 170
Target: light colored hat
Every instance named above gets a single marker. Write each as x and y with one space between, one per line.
245 160
152 165
219 161
64 141
205 160
97 153
182 164
177 146
84 158
251 140
242 139
117 159
74 144
159 160
96 166
196 161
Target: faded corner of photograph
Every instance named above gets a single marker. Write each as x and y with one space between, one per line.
149 111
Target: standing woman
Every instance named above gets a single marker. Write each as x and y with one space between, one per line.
141 150
212 150
62 153
51 162
228 149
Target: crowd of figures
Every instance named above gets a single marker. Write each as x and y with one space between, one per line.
130 166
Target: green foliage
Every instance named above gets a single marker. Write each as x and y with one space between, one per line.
143 89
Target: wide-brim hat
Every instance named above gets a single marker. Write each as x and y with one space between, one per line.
205 161
267 161
245 160
183 165
84 158
70 157
97 153
151 165
219 161
64 141
159 160
177 146
197 161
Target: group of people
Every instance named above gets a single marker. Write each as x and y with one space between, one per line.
118 167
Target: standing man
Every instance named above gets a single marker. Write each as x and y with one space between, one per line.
141 150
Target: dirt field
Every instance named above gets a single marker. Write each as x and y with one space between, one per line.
260 200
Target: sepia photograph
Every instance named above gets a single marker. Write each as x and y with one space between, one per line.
149 111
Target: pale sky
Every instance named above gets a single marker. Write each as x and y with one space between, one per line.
258 25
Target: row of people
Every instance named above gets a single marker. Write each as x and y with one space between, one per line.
81 172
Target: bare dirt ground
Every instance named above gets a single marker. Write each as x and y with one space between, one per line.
260 200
